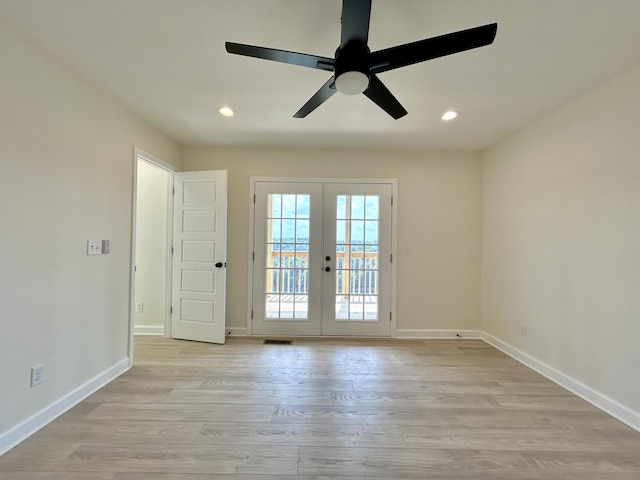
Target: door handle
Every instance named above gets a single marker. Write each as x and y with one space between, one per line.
327 269
219 264
327 258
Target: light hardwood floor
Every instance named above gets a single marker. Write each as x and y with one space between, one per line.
328 409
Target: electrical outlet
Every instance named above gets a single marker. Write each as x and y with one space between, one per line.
139 307
37 375
523 330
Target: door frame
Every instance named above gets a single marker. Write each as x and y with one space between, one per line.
251 243
140 154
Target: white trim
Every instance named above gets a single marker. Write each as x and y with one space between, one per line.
373 180
132 255
168 294
22 431
250 254
148 330
394 255
149 157
236 331
599 400
404 333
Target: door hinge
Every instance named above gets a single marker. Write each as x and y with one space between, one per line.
254 198
174 191
253 256
392 201
391 316
171 310
391 258
171 249
252 314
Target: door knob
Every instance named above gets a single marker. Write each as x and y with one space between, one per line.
219 265
327 258
327 269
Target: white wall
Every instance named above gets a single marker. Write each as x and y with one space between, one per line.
438 217
561 242
66 159
151 247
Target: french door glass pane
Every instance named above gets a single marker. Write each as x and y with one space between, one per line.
287 264
357 246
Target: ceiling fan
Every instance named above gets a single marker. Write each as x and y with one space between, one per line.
355 67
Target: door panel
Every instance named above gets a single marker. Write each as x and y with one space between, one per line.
287 277
199 257
357 226
322 259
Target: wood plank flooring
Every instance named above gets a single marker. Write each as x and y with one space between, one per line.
328 409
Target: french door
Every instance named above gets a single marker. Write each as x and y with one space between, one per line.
322 258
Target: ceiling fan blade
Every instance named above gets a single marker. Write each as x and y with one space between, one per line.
318 99
382 97
294 58
430 48
356 15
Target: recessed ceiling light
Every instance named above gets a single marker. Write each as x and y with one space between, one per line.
225 111
450 115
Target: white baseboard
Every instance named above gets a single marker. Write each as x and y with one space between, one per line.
403 333
599 400
236 331
427 334
17 434
148 330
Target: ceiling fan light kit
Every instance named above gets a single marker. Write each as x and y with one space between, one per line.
352 83
355 68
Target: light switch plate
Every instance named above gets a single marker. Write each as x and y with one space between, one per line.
94 247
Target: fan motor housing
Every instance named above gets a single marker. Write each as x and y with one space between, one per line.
353 57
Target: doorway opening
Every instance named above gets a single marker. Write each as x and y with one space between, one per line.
178 252
199 256
152 267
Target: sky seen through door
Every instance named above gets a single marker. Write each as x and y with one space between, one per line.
356 216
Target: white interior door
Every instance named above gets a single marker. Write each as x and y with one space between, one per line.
199 256
322 259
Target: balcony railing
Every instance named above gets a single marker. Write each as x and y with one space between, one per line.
356 272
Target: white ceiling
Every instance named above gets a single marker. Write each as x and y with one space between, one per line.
165 60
